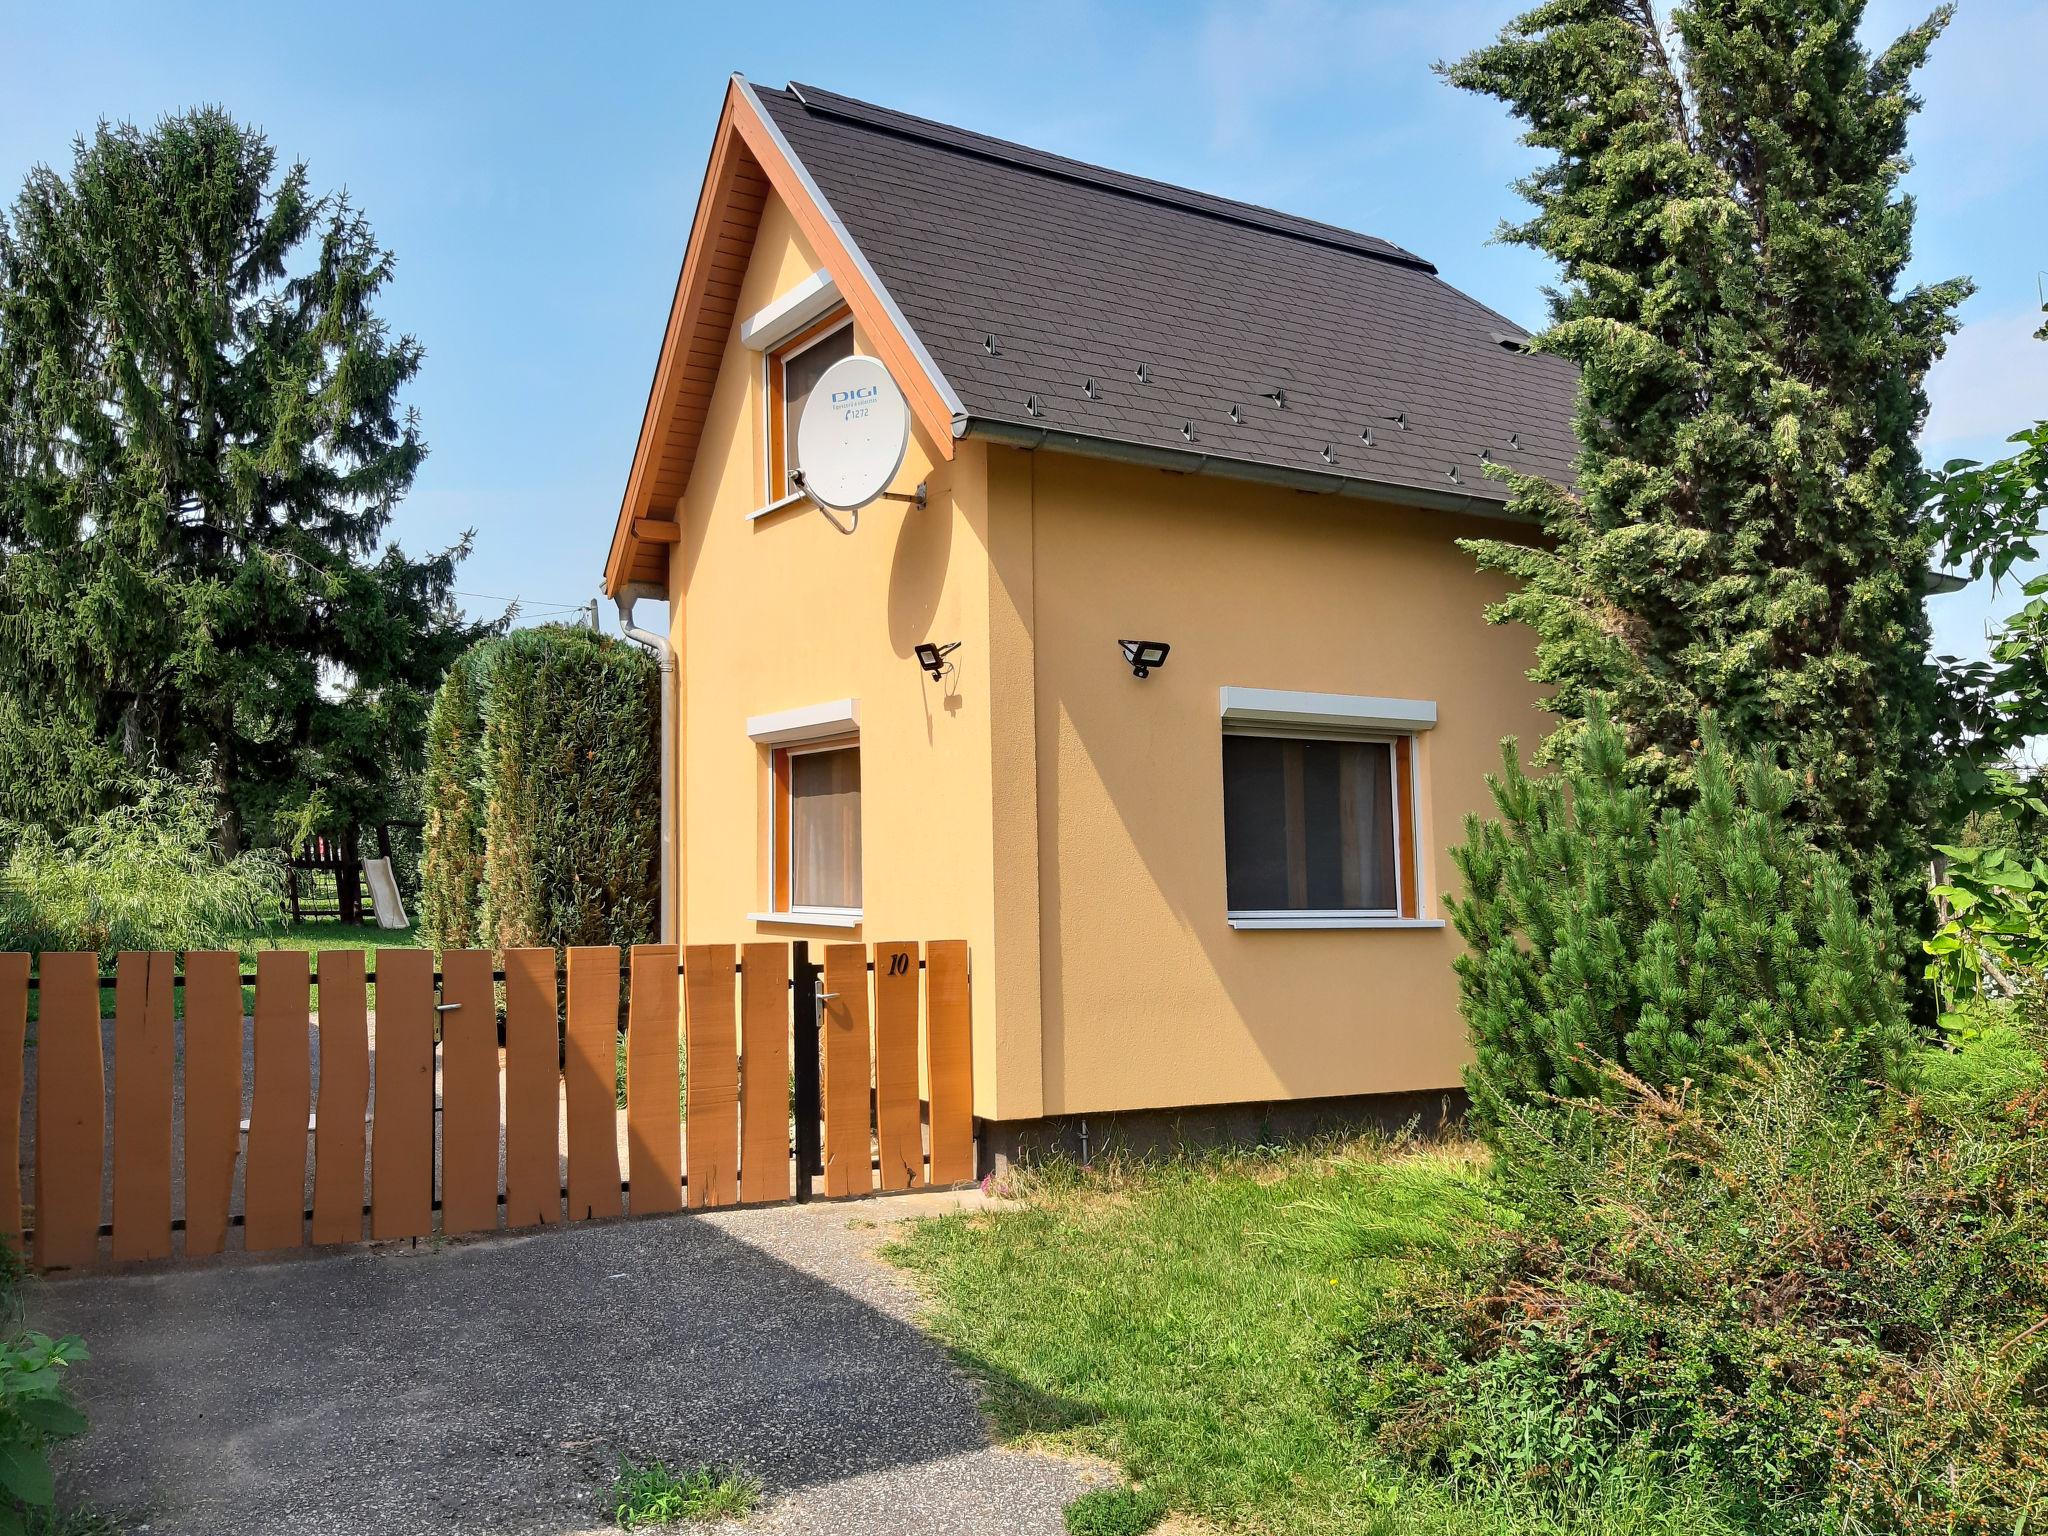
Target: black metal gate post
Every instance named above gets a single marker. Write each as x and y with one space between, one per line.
808 1108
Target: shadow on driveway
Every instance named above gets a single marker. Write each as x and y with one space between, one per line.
492 1385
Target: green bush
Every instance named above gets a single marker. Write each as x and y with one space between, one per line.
141 876
542 794
1666 945
451 804
1988 1063
1809 1307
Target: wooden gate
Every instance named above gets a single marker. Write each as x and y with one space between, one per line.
399 1101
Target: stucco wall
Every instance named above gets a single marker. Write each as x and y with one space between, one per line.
1150 998
782 612
1063 817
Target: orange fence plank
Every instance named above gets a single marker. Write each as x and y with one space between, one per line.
13 1044
71 1112
588 1082
533 1090
949 1060
654 1132
469 1092
338 1127
142 1104
899 1138
402 1124
713 1125
844 1023
764 1061
213 1094
274 1198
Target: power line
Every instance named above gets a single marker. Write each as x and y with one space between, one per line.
524 602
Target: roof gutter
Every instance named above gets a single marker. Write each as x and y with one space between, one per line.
1188 461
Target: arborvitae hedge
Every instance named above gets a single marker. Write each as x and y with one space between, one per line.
542 794
452 868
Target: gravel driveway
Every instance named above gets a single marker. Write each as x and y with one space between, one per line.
491 1385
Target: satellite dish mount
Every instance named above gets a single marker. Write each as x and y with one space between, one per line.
850 440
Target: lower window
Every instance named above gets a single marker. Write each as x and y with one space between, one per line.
1318 826
817 829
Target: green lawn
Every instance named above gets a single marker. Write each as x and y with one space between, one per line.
1181 1320
325 933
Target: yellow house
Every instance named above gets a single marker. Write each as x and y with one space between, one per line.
1205 895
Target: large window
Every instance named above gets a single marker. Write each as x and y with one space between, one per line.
817 829
1317 826
793 371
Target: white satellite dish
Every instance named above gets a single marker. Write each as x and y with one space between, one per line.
851 437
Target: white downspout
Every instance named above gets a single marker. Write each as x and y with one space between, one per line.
665 659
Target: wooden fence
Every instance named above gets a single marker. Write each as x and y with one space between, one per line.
858 1070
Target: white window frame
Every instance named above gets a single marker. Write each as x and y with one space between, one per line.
1295 716
775 408
807 728
787 856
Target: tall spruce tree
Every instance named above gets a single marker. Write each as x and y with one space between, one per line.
201 445
1744 536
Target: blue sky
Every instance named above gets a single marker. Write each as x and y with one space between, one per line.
535 168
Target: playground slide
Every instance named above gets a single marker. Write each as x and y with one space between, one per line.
384 893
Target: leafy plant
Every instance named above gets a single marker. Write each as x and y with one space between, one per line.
141 876
649 1494
1668 944
35 1412
1992 518
1995 934
1114 1512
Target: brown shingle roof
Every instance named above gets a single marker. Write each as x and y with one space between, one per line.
1080 275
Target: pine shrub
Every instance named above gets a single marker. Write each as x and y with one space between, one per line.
1665 943
542 794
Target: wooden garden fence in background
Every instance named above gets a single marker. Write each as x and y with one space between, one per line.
436 1103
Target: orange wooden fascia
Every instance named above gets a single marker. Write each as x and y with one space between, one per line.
690 282
741 130
870 313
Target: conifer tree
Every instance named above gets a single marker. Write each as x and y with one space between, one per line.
1744 535
1602 931
201 445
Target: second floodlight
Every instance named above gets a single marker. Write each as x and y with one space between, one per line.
1143 655
933 657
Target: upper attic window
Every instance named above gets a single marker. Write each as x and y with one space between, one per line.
794 369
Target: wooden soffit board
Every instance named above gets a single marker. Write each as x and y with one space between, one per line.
749 159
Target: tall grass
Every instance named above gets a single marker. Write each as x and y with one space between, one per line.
141 876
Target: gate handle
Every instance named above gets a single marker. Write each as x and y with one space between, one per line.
446 1007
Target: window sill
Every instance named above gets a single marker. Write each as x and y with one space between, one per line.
791 500
1327 920
808 919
